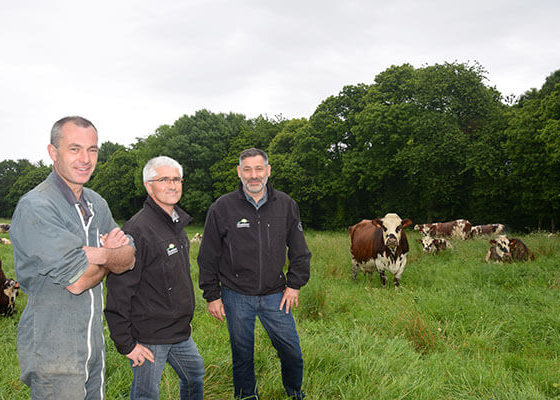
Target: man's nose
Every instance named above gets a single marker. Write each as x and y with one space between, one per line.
85 156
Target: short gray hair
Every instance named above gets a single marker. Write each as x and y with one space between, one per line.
56 131
253 152
149 171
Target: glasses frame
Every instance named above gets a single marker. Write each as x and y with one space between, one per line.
167 180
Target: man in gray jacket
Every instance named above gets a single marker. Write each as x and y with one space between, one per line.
65 242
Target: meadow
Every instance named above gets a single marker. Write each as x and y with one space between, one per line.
457 328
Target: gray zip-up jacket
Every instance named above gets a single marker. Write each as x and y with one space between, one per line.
59 332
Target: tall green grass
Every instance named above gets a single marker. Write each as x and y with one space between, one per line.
458 328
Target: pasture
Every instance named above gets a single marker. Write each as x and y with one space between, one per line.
458 328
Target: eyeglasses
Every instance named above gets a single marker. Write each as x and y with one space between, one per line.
167 180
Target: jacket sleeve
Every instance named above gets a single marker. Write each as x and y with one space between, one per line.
298 253
209 257
120 291
42 238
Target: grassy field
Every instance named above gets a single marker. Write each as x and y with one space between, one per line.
458 328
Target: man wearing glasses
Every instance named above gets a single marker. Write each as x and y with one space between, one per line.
149 309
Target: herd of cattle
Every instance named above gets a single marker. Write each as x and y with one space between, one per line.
381 244
376 245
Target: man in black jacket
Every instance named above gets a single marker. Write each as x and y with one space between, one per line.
149 309
241 260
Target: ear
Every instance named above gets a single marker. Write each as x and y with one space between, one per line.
239 171
148 187
513 241
377 222
52 152
492 241
406 223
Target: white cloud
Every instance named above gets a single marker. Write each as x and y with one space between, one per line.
131 66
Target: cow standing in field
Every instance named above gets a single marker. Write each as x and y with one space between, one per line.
381 245
460 228
503 249
434 245
4 228
488 229
10 289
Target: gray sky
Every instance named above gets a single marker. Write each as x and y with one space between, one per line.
132 65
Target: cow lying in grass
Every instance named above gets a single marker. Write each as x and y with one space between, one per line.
434 245
504 249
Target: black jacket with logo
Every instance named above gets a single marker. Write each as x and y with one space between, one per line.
154 302
245 249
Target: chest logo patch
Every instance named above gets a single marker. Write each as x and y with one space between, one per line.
243 223
171 249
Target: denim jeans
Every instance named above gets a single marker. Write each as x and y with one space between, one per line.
185 360
241 311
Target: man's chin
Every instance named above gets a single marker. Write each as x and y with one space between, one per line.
254 189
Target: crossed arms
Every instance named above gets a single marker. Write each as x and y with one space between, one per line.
115 256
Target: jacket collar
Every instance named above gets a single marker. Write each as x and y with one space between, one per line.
184 218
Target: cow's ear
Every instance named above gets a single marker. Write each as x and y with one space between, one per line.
377 222
512 241
406 222
492 241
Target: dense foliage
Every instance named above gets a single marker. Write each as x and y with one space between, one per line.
430 143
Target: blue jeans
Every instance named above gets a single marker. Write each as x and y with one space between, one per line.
185 360
241 311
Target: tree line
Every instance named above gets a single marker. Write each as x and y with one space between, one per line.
432 143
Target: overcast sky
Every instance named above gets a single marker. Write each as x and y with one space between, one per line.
130 66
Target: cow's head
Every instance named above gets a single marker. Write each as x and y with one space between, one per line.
11 289
392 226
502 245
427 243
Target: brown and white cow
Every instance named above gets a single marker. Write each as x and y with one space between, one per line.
434 245
460 228
197 238
381 245
4 228
504 249
8 294
487 229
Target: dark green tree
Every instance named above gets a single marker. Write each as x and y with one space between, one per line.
10 171
29 178
117 181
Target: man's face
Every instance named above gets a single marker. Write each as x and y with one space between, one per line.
76 155
165 194
254 174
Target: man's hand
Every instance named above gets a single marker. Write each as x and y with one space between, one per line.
216 309
114 239
140 354
290 299
116 255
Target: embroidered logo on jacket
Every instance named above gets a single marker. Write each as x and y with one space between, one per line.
243 223
171 249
